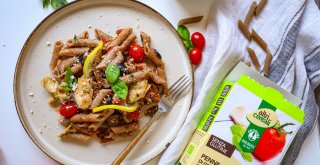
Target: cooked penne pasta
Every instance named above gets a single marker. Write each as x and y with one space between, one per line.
55 54
82 117
127 42
145 39
118 59
82 43
149 52
135 77
162 74
102 75
70 52
83 35
250 13
96 125
120 38
67 63
108 57
100 35
76 137
100 96
157 79
125 128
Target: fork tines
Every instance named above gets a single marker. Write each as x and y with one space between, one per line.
177 89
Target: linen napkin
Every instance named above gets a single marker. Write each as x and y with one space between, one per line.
291 28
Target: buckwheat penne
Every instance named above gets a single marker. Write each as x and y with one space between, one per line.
76 137
149 52
145 39
120 38
127 42
253 58
125 128
109 82
244 29
55 54
70 52
82 43
259 40
267 63
82 117
250 13
100 35
83 35
135 77
260 6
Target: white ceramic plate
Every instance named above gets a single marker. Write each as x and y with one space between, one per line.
41 121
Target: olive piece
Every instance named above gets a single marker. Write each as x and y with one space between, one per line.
123 69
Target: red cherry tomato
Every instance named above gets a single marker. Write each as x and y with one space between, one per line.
136 52
270 144
68 109
195 56
118 31
198 40
134 115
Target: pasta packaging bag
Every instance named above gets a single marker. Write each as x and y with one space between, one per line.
246 123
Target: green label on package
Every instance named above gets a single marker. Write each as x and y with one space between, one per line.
259 120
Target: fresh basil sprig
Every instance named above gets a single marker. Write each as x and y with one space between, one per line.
118 86
185 36
238 132
120 89
55 4
69 79
112 73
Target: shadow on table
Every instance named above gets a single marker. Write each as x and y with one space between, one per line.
2 160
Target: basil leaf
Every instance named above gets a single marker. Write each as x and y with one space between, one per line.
69 79
120 89
66 88
247 156
58 3
188 44
236 141
45 3
237 130
112 72
183 33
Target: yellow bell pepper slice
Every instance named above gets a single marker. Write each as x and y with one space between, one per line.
87 67
118 107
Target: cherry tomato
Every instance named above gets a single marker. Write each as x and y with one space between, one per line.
136 52
195 56
68 109
118 31
270 144
198 40
134 115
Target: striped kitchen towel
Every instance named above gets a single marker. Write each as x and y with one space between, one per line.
291 28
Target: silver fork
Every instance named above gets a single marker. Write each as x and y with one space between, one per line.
177 90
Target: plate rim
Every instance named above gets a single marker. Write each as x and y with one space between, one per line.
22 54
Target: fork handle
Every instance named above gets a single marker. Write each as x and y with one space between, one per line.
130 146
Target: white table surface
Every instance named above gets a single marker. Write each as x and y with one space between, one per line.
19 18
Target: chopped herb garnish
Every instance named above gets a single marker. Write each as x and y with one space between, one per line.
75 39
131 75
70 80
